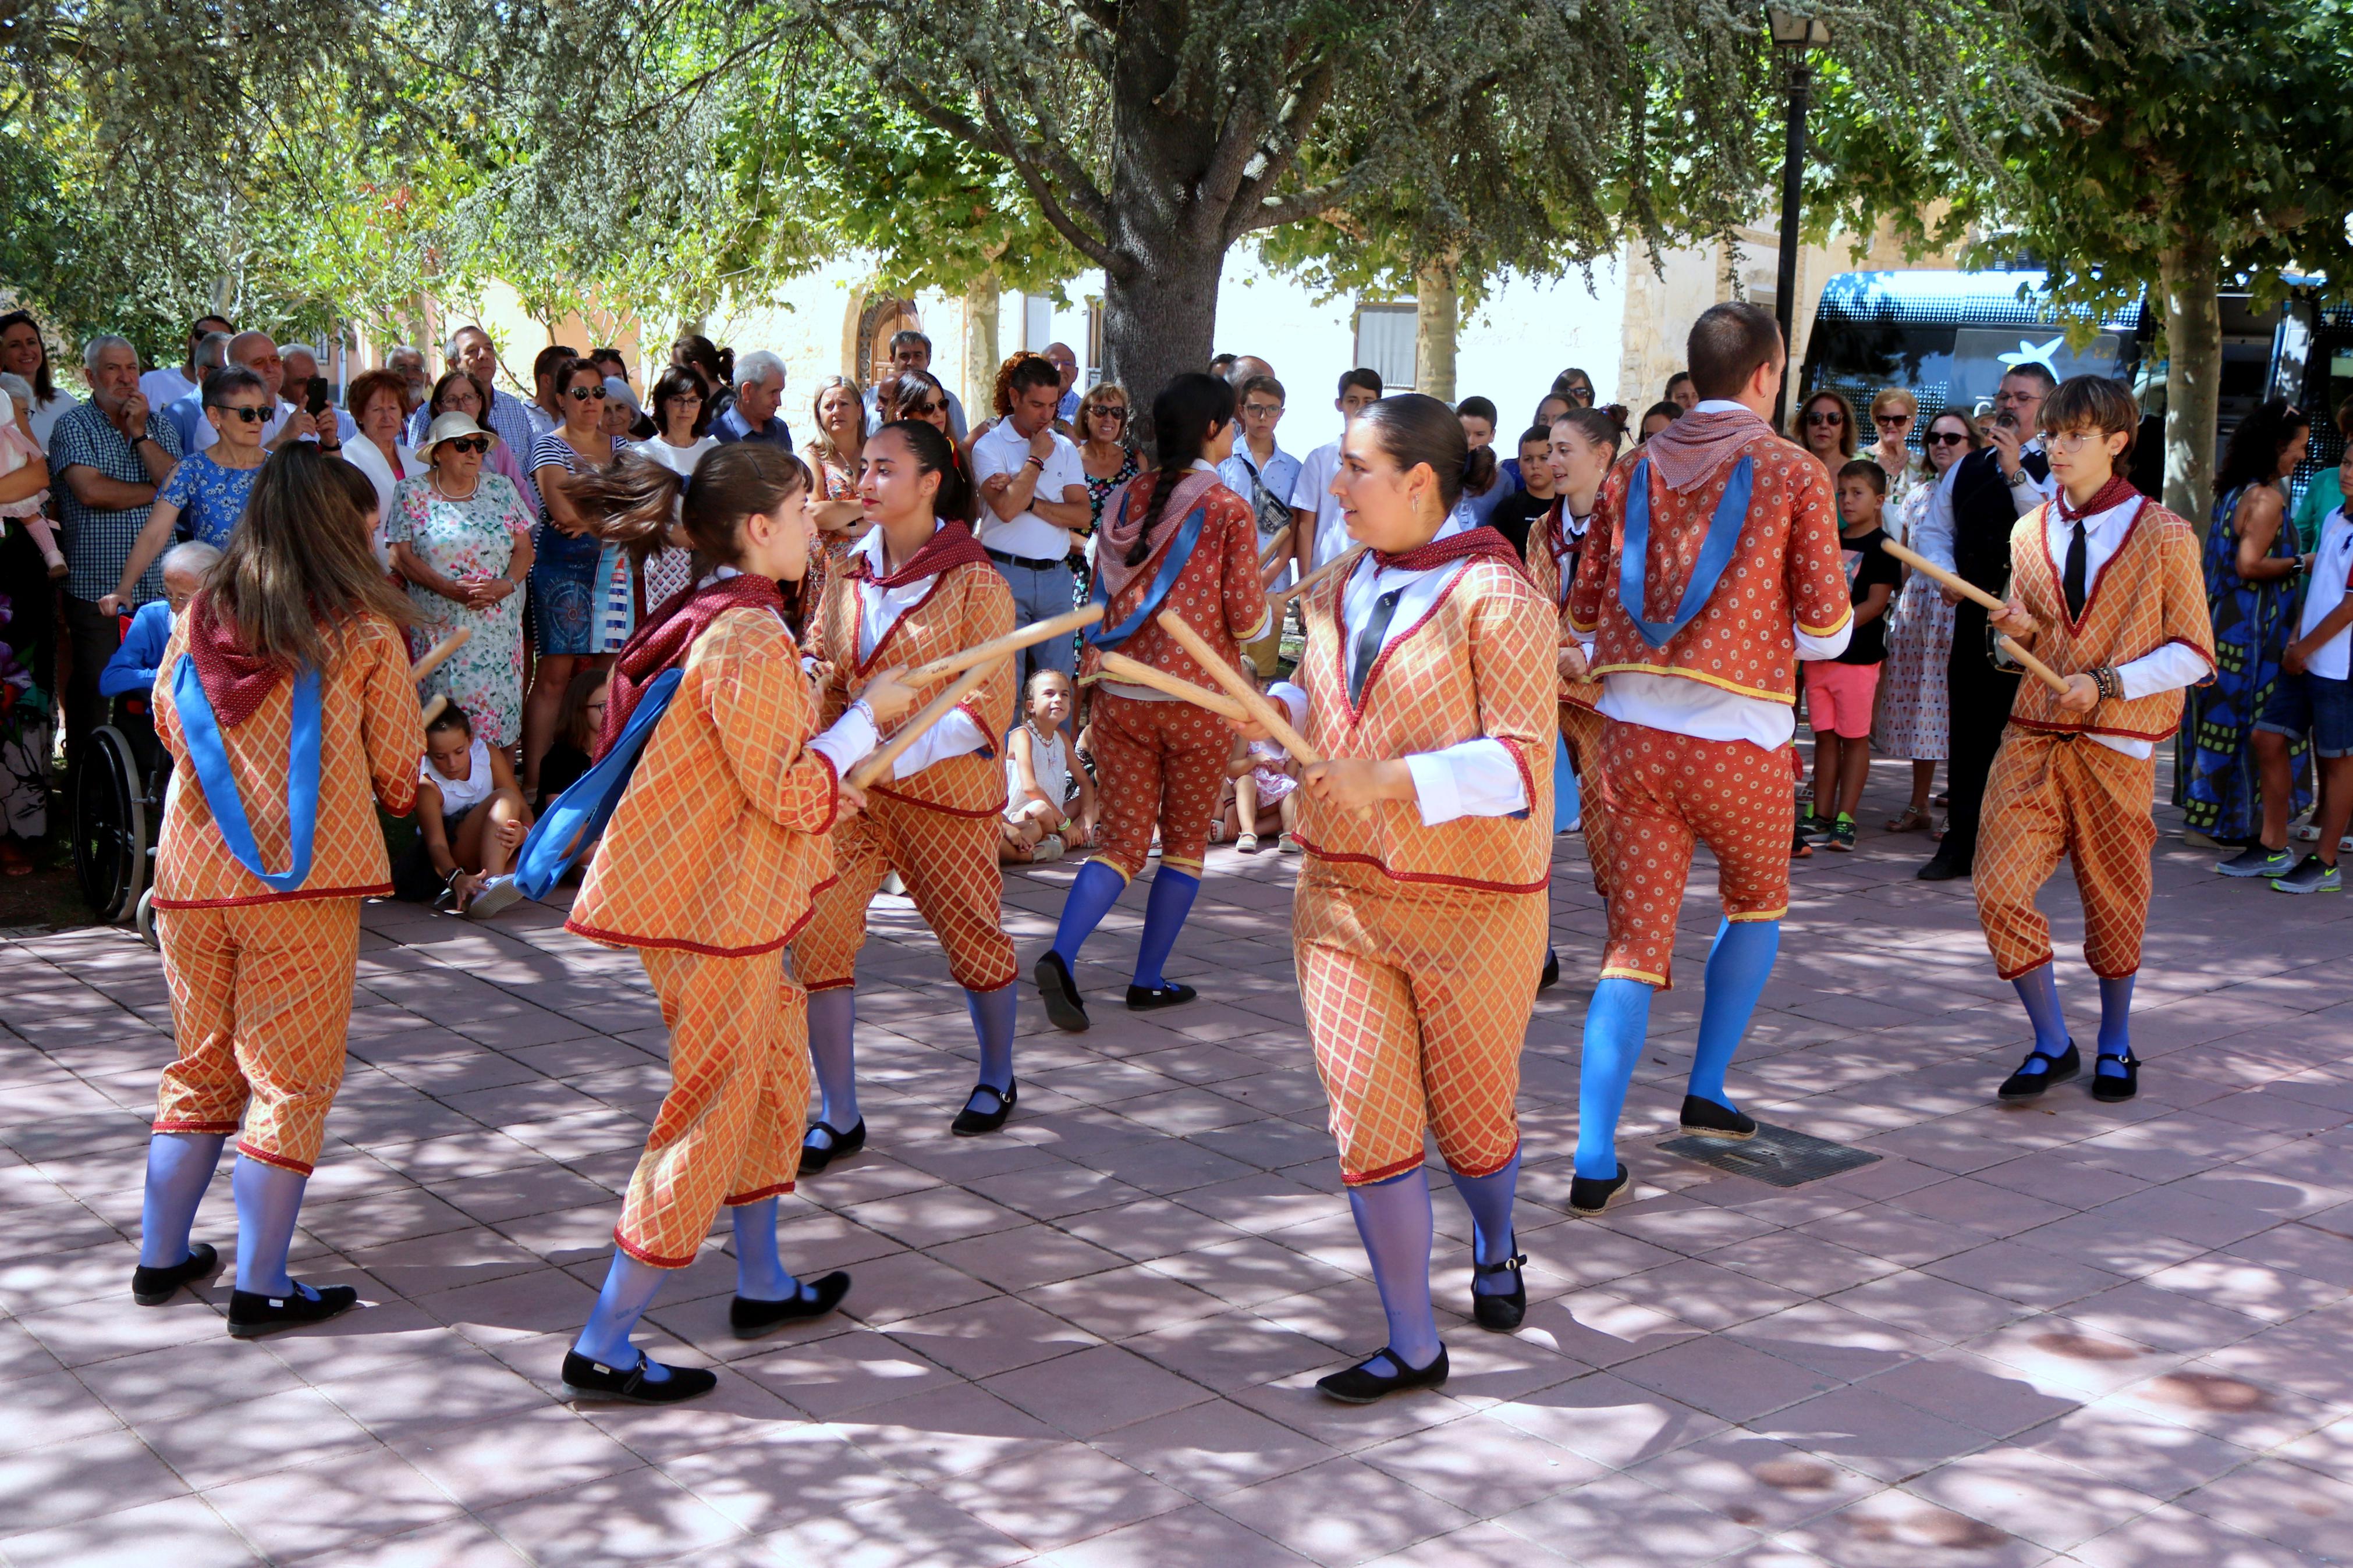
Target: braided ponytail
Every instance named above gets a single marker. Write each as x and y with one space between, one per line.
1189 410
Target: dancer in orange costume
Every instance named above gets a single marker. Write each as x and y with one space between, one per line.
283 697
1428 683
708 868
1712 566
2107 589
1176 539
917 586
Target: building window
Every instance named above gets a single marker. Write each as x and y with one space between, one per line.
1384 343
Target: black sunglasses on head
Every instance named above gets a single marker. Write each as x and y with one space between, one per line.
248 416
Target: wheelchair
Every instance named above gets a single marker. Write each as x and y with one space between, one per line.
119 784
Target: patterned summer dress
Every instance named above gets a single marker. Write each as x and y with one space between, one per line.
471 537
2222 796
1915 716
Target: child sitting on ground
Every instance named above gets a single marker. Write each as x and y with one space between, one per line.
471 815
1839 692
1260 796
1038 825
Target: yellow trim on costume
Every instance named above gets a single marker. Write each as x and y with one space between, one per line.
1760 916
1583 629
1831 628
1616 971
1099 860
1190 868
1787 700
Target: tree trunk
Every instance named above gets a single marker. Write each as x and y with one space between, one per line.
1437 311
980 356
1159 311
2193 374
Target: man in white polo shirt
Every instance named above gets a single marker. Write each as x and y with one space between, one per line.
1317 533
1033 492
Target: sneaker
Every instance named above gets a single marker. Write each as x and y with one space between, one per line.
1289 845
2257 861
1842 832
1246 844
1047 850
1801 848
2310 876
1815 829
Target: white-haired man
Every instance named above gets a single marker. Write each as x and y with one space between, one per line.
132 671
759 391
507 417
415 384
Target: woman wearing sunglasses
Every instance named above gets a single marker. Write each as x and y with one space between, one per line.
1914 714
582 594
461 536
208 491
1894 412
1826 430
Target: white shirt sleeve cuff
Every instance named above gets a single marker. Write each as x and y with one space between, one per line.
953 736
850 741
2170 668
1831 646
1473 778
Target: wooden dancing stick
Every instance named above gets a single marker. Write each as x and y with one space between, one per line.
1329 568
1968 590
433 709
1275 547
996 648
1253 701
439 651
1119 667
879 763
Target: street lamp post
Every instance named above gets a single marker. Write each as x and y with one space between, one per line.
1795 34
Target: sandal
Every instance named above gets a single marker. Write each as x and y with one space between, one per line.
1912 820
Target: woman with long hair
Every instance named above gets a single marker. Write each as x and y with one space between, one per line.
1584 450
284 699
714 848
1176 539
2244 782
1914 718
917 586
1428 683
1826 430
24 352
833 455
583 598
715 366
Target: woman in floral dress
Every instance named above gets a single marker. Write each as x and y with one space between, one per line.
1914 715
460 537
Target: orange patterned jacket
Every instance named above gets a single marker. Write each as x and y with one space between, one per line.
1217 594
1787 570
724 833
1544 571
370 738
1480 663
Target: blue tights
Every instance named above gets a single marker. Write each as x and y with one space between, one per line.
269 1197
1393 1219
1092 894
1489 1199
1164 909
180 1166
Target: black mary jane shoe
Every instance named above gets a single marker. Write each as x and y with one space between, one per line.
154 1286
1940 869
971 1124
1709 1120
585 1379
1167 994
750 1319
838 1145
1065 1009
252 1314
1551 975
2113 1088
1500 1311
2025 1084
1591 1194
1359 1385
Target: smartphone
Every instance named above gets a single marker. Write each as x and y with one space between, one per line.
315 400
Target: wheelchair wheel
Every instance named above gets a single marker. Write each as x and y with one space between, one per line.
143 921
110 826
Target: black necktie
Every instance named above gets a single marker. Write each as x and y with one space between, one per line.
1369 643
2078 558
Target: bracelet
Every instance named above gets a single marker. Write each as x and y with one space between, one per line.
1035 462
2110 683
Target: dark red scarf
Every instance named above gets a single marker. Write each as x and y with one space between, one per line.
1469 542
952 545
668 634
236 680
2115 492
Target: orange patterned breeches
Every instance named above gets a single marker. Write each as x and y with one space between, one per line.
2049 798
1156 762
949 864
729 1130
1418 1001
262 998
1666 792
1581 728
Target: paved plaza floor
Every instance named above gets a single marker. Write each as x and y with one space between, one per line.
2114 1337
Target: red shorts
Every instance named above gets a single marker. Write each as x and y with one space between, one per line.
1839 697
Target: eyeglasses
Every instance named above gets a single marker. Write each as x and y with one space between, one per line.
1581 394
1945 438
1891 418
246 414
1261 410
918 410
468 443
583 394
1825 417
1111 411
2071 441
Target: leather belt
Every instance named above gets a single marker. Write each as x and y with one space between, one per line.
1002 558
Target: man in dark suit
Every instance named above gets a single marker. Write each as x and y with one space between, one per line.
1992 488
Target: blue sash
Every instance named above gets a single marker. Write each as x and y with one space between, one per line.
1566 802
1714 551
577 817
1171 565
201 731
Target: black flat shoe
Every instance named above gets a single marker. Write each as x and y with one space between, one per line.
1941 870
585 1379
751 1318
1360 1385
1065 1008
1167 994
154 1286
2115 1087
1500 1311
252 1314
1591 1194
971 1124
1709 1120
1551 975
2025 1085
840 1145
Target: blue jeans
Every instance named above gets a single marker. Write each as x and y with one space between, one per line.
1041 593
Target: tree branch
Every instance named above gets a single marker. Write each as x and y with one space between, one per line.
1094 246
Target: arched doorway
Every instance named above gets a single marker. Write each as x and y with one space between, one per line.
878 318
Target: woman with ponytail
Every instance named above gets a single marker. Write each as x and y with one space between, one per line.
708 867
1175 538
284 699
918 585
1428 683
